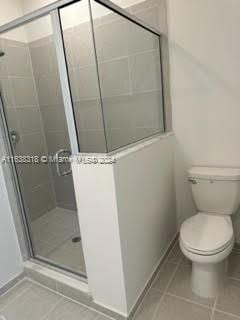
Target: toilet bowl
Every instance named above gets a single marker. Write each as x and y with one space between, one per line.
207 238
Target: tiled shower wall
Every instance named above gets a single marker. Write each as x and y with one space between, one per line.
129 68
154 13
34 108
48 86
130 81
84 86
23 113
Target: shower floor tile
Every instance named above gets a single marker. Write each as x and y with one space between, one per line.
70 252
52 236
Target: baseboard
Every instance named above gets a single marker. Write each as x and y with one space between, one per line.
11 283
152 277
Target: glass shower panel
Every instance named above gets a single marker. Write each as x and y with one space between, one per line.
129 66
32 97
83 75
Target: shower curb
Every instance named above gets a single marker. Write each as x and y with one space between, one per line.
67 285
76 288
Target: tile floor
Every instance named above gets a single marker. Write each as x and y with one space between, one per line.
52 236
170 298
29 301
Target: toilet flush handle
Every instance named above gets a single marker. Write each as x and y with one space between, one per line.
193 181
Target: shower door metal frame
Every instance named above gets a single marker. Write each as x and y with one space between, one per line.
53 10
57 5
15 178
53 14
64 80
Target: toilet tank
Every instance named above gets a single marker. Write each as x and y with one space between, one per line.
215 190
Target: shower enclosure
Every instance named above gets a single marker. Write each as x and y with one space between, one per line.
75 76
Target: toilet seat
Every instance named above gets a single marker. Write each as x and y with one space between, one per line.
206 234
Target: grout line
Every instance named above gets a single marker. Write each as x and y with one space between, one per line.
24 77
171 278
178 264
13 287
69 298
113 59
156 275
189 300
165 290
214 308
17 295
51 309
228 314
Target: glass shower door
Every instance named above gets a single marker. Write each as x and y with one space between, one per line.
82 66
115 73
82 78
39 134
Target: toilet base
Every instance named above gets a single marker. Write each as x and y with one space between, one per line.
208 278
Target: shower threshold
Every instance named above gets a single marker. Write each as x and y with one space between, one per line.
64 283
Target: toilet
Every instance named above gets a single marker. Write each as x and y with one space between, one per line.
207 238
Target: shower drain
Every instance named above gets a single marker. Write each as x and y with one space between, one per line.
74 240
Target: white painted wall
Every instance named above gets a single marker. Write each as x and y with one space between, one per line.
71 15
11 10
11 264
144 180
205 83
127 218
98 218
31 5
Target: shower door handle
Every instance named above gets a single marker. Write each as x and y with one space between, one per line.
63 164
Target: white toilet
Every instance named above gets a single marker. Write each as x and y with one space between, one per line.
207 238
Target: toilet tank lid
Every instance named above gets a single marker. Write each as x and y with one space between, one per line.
213 173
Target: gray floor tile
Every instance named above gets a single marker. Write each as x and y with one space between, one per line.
181 286
185 262
175 255
229 298
223 316
234 265
68 310
40 278
33 304
149 306
102 317
13 293
164 276
172 308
